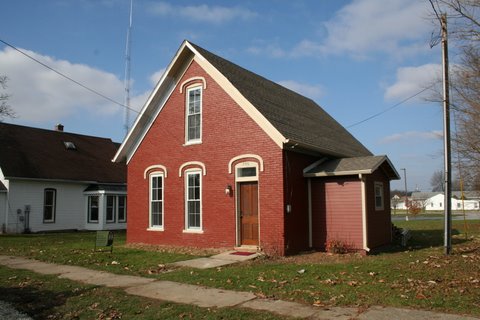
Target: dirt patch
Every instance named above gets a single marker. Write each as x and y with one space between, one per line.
180 250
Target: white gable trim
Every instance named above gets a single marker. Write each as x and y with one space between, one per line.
165 87
233 92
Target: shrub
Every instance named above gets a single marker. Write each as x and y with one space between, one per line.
337 246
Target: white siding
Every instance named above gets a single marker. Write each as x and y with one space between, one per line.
69 211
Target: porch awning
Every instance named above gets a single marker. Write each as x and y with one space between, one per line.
107 188
351 166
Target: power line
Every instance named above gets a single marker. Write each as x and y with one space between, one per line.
68 78
390 108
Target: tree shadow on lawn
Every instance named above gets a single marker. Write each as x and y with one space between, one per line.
421 239
36 303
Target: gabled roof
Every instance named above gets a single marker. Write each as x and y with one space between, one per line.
31 153
289 118
351 166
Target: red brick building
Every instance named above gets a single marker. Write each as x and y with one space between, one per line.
222 157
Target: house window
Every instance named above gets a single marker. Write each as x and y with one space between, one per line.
193 201
156 201
93 202
194 115
111 208
440 204
459 205
49 203
378 196
122 208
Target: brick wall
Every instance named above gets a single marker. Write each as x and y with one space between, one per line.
227 131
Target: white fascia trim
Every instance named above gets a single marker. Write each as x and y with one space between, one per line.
313 165
233 92
128 148
335 174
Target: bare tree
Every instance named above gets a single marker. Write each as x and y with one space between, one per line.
5 110
436 181
464 35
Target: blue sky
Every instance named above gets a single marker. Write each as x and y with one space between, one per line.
354 58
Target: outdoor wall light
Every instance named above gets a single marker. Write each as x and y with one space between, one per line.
228 190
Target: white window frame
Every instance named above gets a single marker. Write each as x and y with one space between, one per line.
246 165
113 208
124 208
188 228
379 186
159 227
89 211
198 140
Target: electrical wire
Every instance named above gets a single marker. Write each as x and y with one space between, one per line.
390 108
69 78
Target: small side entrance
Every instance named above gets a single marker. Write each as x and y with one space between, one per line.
248 212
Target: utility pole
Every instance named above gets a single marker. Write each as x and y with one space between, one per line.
446 140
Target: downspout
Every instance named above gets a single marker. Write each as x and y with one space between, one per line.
310 230
364 213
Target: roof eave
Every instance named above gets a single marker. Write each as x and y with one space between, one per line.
336 174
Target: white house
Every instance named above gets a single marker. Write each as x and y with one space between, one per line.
54 180
435 201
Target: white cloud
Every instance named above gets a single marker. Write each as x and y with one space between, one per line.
155 77
365 27
308 90
369 25
38 94
412 136
203 12
411 80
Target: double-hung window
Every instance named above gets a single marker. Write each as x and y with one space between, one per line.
193 200
194 115
122 209
93 208
156 201
49 203
378 196
111 208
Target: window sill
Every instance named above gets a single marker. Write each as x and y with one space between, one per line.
189 143
155 229
198 231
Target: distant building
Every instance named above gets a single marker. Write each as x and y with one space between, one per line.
52 180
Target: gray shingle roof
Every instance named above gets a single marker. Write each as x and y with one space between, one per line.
296 117
32 153
350 166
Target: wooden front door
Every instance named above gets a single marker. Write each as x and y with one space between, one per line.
249 213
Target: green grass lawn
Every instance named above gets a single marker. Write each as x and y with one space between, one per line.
48 297
419 276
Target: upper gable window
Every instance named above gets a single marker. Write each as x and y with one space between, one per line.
193 132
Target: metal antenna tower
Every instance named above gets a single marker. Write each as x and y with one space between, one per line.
127 72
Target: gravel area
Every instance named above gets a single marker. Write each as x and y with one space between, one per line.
8 312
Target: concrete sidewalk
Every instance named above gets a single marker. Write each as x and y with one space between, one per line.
211 297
